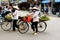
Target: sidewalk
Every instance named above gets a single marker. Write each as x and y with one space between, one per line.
53 15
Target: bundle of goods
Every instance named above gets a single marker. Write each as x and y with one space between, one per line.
44 18
9 16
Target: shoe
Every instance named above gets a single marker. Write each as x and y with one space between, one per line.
14 30
35 33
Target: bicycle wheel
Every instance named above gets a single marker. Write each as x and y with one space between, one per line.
6 26
23 27
42 26
18 22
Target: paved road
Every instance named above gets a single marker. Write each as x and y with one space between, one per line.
52 32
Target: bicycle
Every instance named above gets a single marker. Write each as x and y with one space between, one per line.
25 25
7 24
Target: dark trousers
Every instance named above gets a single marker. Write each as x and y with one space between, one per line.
15 24
34 26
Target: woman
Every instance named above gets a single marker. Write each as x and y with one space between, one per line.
35 16
15 17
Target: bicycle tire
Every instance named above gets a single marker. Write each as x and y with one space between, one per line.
40 26
4 26
21 30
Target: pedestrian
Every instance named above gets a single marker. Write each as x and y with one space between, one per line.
15 17
46 10
30 9
54 10
35 16
7 10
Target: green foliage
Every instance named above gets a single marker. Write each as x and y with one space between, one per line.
9 16
45 18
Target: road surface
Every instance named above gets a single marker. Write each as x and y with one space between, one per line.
52 32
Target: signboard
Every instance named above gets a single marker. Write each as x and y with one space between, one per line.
57 0
45 1
24 0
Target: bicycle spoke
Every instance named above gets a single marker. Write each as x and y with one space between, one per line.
23 27
42 26
6 26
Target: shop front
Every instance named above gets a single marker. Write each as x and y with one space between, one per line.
46 3
24 5
56 6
